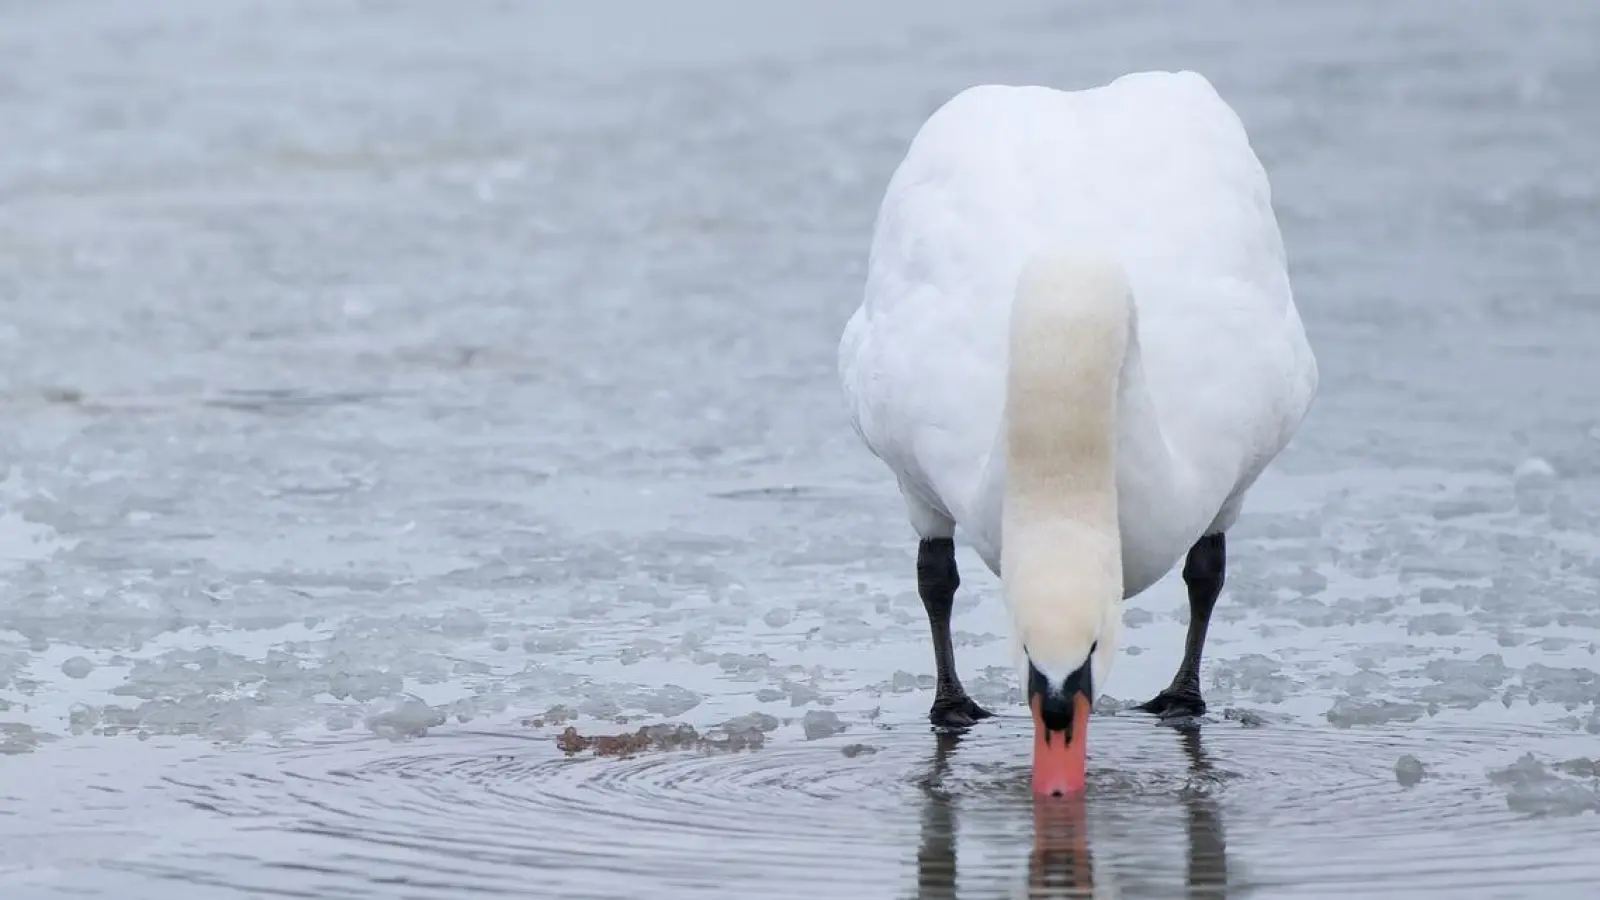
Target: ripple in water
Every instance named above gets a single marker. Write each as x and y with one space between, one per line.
1284 810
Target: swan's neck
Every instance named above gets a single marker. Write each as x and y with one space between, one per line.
1158 508
1061 561
1087 466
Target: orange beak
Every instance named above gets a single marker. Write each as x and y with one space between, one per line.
1058 756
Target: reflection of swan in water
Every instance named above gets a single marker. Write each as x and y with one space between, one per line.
1061 863
936 854
1208 846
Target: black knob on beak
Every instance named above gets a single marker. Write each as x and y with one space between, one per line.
1055 703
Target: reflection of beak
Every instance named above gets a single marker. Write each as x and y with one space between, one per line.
1058 753
1060 864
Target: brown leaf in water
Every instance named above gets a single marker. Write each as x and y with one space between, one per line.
658 737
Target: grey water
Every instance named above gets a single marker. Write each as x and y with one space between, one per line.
387 387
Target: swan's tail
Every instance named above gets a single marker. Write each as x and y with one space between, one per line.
1062 554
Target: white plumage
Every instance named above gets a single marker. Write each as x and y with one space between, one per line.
1153 173
1153 169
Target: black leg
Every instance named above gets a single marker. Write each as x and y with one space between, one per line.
937 580
1203 574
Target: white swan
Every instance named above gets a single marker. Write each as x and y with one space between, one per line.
1078 342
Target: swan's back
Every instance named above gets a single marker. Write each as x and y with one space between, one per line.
1154 169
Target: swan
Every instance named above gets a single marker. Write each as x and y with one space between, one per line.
1077 340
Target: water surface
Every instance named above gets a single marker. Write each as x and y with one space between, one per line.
389 388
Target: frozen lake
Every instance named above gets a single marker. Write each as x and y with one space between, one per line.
388 387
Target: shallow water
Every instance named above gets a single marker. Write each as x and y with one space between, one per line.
1232 809
389 388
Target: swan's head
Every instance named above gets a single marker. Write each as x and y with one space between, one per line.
1061 704
1067 615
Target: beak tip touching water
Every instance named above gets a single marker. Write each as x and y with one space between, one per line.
1058 753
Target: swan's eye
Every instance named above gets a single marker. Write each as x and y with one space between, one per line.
1094 648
